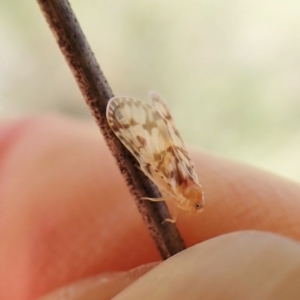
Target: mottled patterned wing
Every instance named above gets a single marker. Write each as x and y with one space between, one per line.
180 149
145 134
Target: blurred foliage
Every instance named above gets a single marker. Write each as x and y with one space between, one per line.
229 69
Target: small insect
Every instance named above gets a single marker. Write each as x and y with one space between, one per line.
149 133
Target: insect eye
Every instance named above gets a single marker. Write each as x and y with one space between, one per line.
198 205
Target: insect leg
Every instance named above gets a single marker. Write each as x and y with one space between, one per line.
153 199
174 219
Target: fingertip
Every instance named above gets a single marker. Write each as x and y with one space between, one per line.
241 265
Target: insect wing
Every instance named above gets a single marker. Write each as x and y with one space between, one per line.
181 153
141 129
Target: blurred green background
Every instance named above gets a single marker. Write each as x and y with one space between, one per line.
229 70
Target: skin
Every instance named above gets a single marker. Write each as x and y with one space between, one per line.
69 226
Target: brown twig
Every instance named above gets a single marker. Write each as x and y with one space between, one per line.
97 92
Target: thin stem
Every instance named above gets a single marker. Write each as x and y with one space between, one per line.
97 92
